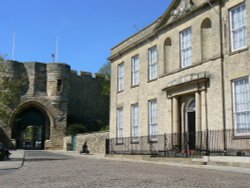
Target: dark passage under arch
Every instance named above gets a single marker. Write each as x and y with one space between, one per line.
31 128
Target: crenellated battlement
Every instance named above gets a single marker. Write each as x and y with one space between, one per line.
60 96
84 74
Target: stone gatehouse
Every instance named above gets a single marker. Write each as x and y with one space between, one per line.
52 97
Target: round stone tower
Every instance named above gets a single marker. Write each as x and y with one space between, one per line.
58 81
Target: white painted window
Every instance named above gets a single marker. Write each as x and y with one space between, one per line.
121 77
153 63
120 125
135 70
135 122
241 106
186 48
153 120
238 19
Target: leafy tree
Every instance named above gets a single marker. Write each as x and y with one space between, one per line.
10 88
75 129
106 71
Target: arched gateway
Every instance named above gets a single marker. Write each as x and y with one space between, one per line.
31 123
52 96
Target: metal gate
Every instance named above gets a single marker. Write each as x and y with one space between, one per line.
73 143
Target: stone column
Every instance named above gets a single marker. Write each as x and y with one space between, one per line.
197 112
204 118
170 119
198 119
203 111
176 121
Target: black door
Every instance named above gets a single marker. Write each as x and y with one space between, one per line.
191 130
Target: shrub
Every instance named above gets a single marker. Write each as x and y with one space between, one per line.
74 129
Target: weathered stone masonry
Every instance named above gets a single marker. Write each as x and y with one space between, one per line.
53 95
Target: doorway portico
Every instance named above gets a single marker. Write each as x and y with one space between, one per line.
187 110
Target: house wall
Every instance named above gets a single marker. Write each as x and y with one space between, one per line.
148 90
211 55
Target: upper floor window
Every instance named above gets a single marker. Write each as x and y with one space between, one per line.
152 63
241 106
120 125
135 70
135 122
238 19
152 106
186 48
121 77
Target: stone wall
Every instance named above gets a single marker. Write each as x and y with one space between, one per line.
87 103
95 141
60 95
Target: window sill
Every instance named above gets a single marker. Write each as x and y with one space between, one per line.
135 86
119 143
238 136
238 51
118 92
134 142
152 80
152 141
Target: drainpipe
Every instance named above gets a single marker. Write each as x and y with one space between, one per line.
223 25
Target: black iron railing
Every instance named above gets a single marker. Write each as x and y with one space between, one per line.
192 144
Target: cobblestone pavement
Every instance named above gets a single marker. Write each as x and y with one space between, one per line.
76 172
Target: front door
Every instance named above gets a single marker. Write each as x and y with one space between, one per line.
191 130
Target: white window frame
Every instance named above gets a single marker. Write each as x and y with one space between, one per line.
242 111
153 125
152 64
120 125
135 122
135 70
186 47
121 74
241 29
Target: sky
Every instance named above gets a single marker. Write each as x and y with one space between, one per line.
86 29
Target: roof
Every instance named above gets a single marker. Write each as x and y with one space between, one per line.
177 10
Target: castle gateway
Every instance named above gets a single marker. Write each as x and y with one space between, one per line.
52 97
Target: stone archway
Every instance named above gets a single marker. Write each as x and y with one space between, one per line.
31 125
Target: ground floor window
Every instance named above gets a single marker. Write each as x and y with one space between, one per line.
119 125
135 122
152 106
241 105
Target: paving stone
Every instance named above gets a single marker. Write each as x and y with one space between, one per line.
75 172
